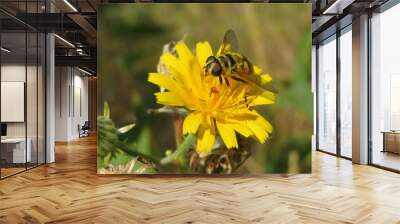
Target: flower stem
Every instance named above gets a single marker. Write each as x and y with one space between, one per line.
182 149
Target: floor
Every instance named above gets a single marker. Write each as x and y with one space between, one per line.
70 191
387 159
5 172
10 171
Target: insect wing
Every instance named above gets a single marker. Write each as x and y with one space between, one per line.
229 44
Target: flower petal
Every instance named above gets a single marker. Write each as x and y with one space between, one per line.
242 129
175 66
192 123
161 80
203 51
205 141
260 128
228 135
257 70
263 99
268 95
184 52
169 98
171 62
265 78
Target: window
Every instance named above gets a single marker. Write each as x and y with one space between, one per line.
346 92
385 89
327 95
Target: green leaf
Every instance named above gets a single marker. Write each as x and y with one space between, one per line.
144 141
106 110
112 152
126 128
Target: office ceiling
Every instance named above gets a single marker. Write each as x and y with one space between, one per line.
76 21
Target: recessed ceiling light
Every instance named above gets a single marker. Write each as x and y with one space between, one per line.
5 50
64 40
84 71
70 5
337 7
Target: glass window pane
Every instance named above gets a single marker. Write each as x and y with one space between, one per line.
23 90
386 89
31 97
13 86
32 88
41 98
346 94
327 96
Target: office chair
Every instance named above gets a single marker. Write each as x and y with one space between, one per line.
84 130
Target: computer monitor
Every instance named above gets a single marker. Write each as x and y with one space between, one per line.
3 129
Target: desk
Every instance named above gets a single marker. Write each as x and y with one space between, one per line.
13 150
391 141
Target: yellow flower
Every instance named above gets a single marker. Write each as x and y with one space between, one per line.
214 108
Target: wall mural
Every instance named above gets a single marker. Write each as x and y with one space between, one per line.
204 88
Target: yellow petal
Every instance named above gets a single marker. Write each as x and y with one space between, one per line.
268 95
265 98
265 78
196 77
260 128
161 80
172 62
259 79
205 141
192 123
175 67
242 129
257 70
228 135
203 51
183 51
169 98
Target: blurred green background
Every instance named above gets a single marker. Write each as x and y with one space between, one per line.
276 37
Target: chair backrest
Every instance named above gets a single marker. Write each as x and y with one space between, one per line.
86 124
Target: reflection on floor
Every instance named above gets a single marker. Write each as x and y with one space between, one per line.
70 191
387 159
10 169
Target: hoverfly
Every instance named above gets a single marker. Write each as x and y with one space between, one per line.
228 62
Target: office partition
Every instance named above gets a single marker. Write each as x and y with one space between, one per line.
23 88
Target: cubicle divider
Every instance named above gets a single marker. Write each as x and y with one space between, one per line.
22 95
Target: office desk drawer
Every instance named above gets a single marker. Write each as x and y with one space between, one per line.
391 142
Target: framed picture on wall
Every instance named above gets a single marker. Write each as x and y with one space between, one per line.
197 89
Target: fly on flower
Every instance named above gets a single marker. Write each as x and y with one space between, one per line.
222 114
228 62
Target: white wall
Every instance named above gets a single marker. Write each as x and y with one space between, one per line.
61 103
71 102
16 73
12 73
33 127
